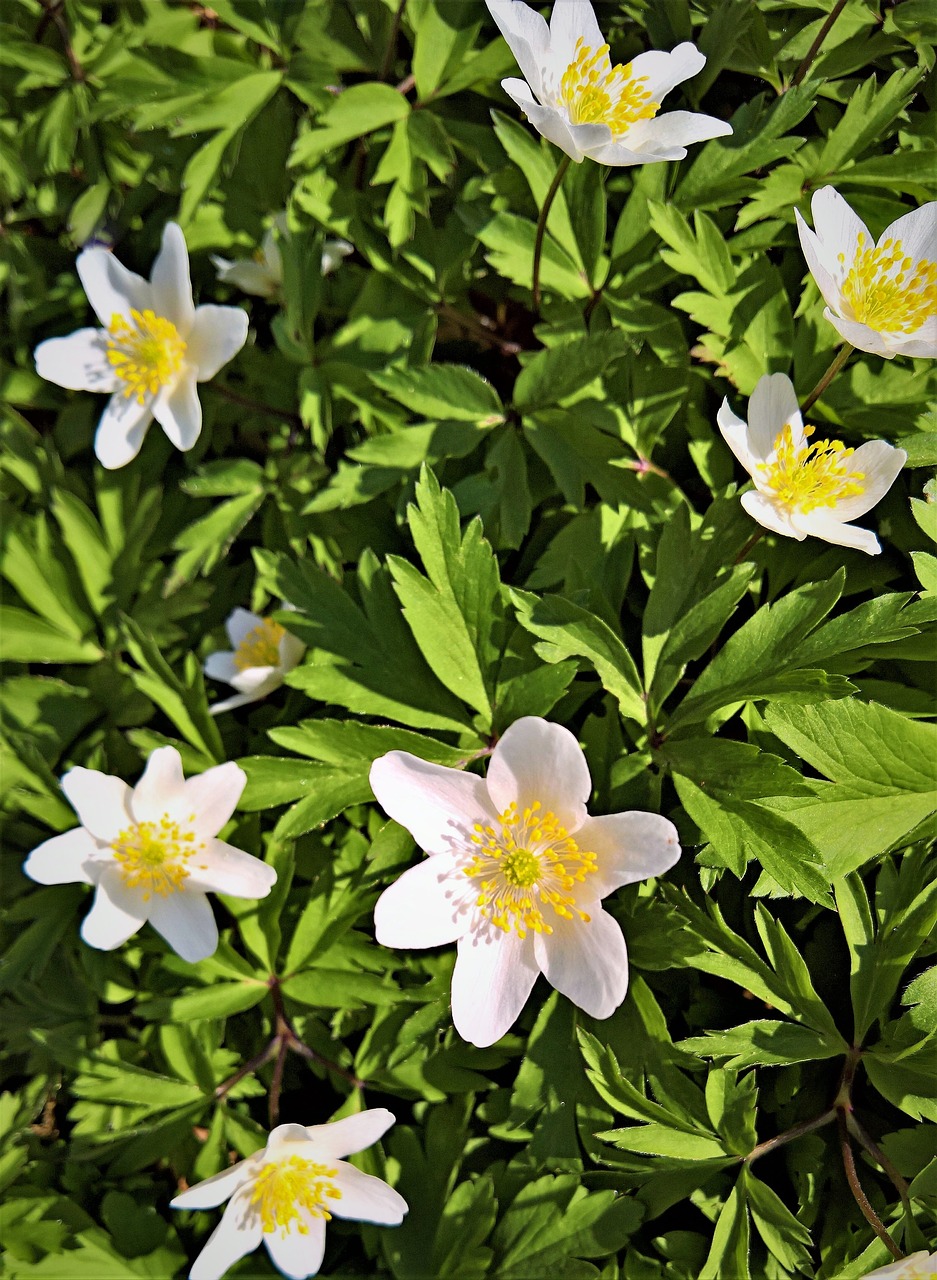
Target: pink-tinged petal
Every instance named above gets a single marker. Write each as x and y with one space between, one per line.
570 21
539 761
917 232
101 801
628 847
212 797
773 405
63 859
121 430
880 464
178 410
770 515
828 281
238 1233
172 286
111 288
344 1137
185 919
116 913
218 333
241 622
221 868
366 1199
78 362
675 131
160 789
735 433
220 666
527 36
861 336
429 906
438 806
586 961
823 524
216 1189
298 1254
494 974
547 120
838 229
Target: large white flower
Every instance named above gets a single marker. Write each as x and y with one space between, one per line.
262 274
285 1194
803 489
516 873
881 295
154 347
575 97
262 653
151 853
917 1266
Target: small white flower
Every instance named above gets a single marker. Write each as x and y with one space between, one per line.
263 274
575 97
154 347
917 1266
516 873
263 652
151 853
285 1194
881 296
803 489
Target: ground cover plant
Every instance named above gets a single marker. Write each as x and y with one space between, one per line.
468 634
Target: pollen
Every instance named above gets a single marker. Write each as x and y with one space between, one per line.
527 870
807 476
889 291
287 1190
153 856
261 646
595 92
146 352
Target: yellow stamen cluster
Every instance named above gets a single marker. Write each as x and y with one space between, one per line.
887 290
595 92
528 863
287 1187
260 647
808 476
146 352
153 855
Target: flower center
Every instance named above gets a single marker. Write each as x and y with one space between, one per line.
153 855
810 476
527 864
146 352
287 1187
887 290
595 92
260 647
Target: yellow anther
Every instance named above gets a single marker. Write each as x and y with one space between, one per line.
146 352
287 1188
261 646
595 92
810 475
880 294
153 855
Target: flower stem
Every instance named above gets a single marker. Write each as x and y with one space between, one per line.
256 406
797 1131
855 1187
879 1156
838 361
755 538
815 47
542 223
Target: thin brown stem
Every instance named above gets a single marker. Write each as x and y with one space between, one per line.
285 415
753 540
253 1064
643 466
542 224
838 361
797 1131
818 42
855 1187
879 1156
391 50
276 1084
477 329
52 12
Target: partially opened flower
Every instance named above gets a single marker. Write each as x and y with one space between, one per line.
881 296
285 1194
589 108
803 489
262 274
154 347
516 874
917 1266
152 854
262 653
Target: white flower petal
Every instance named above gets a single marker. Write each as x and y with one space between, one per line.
238 1233
917 232
494 974
922 343
772 406
160 789
527 36
212 797
366 1199
257 682
111 288
121 430
298 1254
547 120
571 20
185 919
735 433
218 333
241 622
344 1137
78 362
333 253
116 913
838 228
861 336
620 155
101 801
537 760
628 847
220 666
178 411
216 1189
438 806
291 651
827 281
62 859
229 704
427 906
824 524
247 275
221 868
769 514
172 286
676 130
664 71
285 1140
586 961
880 463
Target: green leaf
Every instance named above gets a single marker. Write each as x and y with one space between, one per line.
763 1043
26 638
443 392
558 372
357 111
870 112
728 1254
787 1238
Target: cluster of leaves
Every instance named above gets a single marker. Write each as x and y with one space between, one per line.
479 513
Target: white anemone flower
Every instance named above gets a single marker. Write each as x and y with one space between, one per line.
152 854
154 347
917 1266
881 296
262 275
285 1194
516 874
262 653
586 106
803 489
